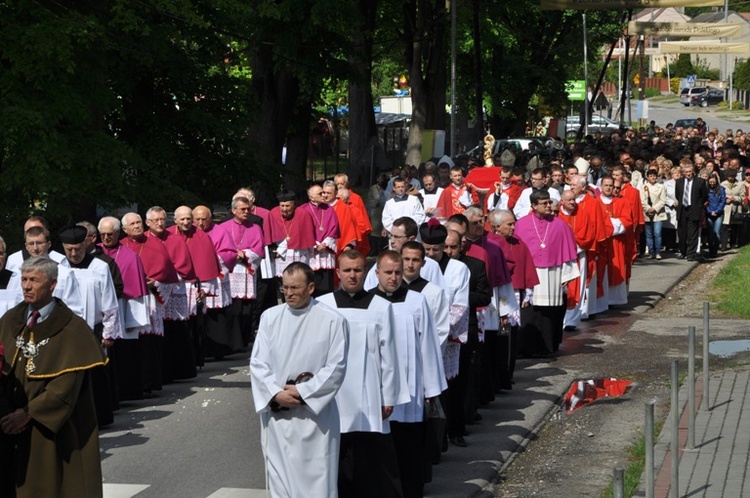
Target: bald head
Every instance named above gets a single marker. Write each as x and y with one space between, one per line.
202 217
453 244
183 218
314 194
456 227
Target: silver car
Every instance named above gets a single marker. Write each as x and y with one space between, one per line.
596 124
687 94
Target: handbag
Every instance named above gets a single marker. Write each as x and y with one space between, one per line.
737 217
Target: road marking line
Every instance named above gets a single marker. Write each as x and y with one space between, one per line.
239 493
123 490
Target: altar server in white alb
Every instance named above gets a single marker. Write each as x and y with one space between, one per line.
37 243
401 204
418 349
413 256
373 385
16 259
100 310
296 368
456 276
405 230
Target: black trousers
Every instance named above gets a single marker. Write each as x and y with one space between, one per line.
409 441
151 346
241 320
687 232
178 357
126 355
507 352
368 466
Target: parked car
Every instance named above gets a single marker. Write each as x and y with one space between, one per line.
596 124
701 95
710 96
688 123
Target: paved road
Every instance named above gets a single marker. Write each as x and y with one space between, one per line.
669 113
196 438
201 438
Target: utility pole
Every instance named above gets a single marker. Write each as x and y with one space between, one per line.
642 82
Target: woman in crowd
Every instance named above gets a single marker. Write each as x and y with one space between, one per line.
653 198
732 224
717 199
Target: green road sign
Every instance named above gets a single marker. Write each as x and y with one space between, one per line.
576 89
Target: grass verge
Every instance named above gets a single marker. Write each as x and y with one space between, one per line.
728 292
666 99
637 458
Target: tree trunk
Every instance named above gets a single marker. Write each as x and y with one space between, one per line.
478 87
363 133
436 66
424 29
297 144
277 91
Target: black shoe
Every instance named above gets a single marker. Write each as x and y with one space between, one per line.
680 256
458 441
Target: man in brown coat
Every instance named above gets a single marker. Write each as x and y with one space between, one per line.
48 429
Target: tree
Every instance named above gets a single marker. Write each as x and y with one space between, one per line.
742 75
424 34
682 67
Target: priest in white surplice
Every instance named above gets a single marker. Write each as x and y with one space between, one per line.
456 276
401 204
100 310
413 255
15 260
373 385
405 230
296 368
418 349
37 243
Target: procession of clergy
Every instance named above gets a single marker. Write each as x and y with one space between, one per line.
475 274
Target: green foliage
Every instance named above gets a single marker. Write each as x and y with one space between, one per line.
730 298
674 85
742 75
527 51
736 106
652 92
682 67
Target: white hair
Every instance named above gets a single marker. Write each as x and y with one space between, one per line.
113 221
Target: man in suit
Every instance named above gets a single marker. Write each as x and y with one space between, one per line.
692 194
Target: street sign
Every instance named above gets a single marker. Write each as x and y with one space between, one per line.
625 4
707 47
691 79
576 89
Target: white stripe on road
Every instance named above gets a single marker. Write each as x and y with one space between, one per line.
239 493
123 490
131 490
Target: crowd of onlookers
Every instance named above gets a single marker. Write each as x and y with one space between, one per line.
654 156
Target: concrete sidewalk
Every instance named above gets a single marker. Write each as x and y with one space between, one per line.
513 420
718 466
